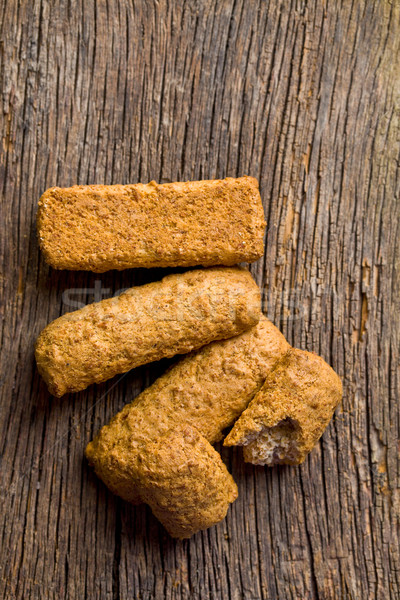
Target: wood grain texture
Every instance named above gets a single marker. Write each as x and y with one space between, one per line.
303 95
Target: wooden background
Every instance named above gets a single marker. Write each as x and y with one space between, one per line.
303 95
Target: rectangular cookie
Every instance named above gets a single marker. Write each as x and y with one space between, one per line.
102 227
207 390
180 313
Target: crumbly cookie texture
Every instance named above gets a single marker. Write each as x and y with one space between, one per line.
180 313
102 227
289 414
208 390
185 482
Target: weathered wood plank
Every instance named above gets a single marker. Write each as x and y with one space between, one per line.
303 95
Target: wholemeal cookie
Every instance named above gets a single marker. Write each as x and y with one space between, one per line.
289 414
208 390
185 482
100 227
180 313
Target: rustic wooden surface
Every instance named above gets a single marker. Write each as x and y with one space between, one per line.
303 95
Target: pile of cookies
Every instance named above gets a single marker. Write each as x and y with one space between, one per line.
239 369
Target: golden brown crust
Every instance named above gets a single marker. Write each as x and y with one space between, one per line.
185 482
207 389
289 414
180 313
100 227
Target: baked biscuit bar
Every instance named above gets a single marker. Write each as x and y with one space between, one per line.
185 482
102 227
207 390
289 414
180 313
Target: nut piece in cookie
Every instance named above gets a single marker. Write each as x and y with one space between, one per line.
185 482
289 414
